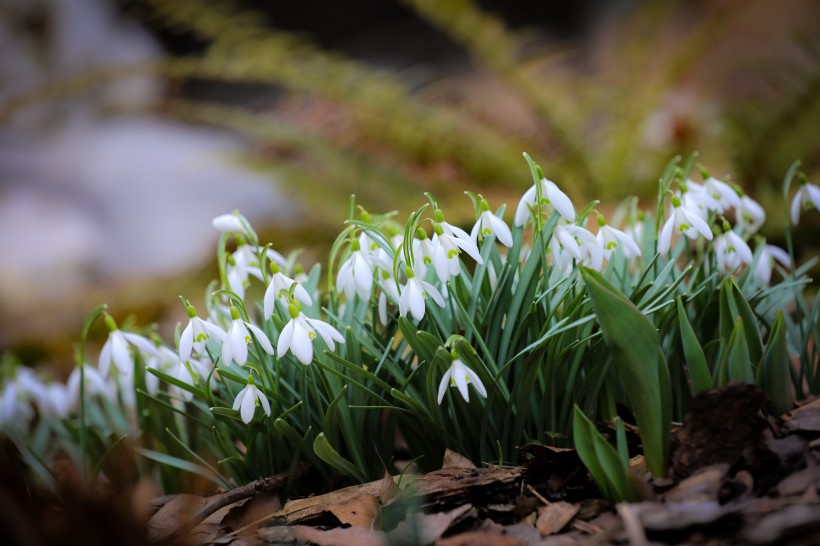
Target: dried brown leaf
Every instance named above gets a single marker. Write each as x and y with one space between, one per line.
388 488
453 459
174 513
341 536
477 538
360 511
555 516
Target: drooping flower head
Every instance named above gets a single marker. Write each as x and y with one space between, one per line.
682 221
196 334
355 276
116 349
807 196
551 194
459 375
297 336
611 239
246 399
414 293
489 224
235 347
279 287
731 251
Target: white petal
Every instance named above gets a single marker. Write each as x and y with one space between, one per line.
269 300
779 254
475 381
238 343
461 380
227 223
302 295
559 200
383 309
501 230
363 276
227 352
814 195
285 339
264 400
445 381
237 403
261 338
433 292
328 332
630 245
248 407
186 342
665 240
120 354
522 211
795 208
104 363
416 299
301 345
699 224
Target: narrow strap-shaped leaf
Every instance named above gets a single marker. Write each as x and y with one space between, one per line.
700 378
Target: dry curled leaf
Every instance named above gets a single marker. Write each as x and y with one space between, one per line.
555 516
360 511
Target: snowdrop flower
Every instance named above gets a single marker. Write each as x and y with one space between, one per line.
610 238
56 400
807 196
551 194
458 375
116 349
94 383
187 372
765 263
235 346
750 215
234 223
722 193
453 239
413 295
576 242
297 336
246 401
683 221
695 198
731 251
389 288
430 252
355 275
279 286
244 263
162 359
196 333
15 405
490 224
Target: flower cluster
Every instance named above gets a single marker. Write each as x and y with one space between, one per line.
411 309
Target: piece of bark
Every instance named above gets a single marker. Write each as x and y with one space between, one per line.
360 511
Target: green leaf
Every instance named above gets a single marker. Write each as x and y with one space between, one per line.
635 346
608 470
774 372
182 464
699 376
739 363
750 325
325 451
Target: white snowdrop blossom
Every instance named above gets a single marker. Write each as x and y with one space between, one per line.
459 375
245 401
571 241
453 239
765 263
235 346
233 222
278 287
15 401
696 199
750 215
430 252
490 224
682 221
355 276
297 336
722 192
187 372
116 349
610 239
196 334
731 251
807 196
244 263
551 194
413 295
94 384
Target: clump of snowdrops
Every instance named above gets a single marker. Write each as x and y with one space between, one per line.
421 336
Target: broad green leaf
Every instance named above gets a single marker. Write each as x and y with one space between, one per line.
609 471
739 365
750 325
699 376
774 374
635 345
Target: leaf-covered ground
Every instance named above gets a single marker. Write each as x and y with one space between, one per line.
736 478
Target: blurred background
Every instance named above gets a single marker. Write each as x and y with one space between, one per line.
125 126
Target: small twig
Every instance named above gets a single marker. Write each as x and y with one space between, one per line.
538 495
215 502
632 525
